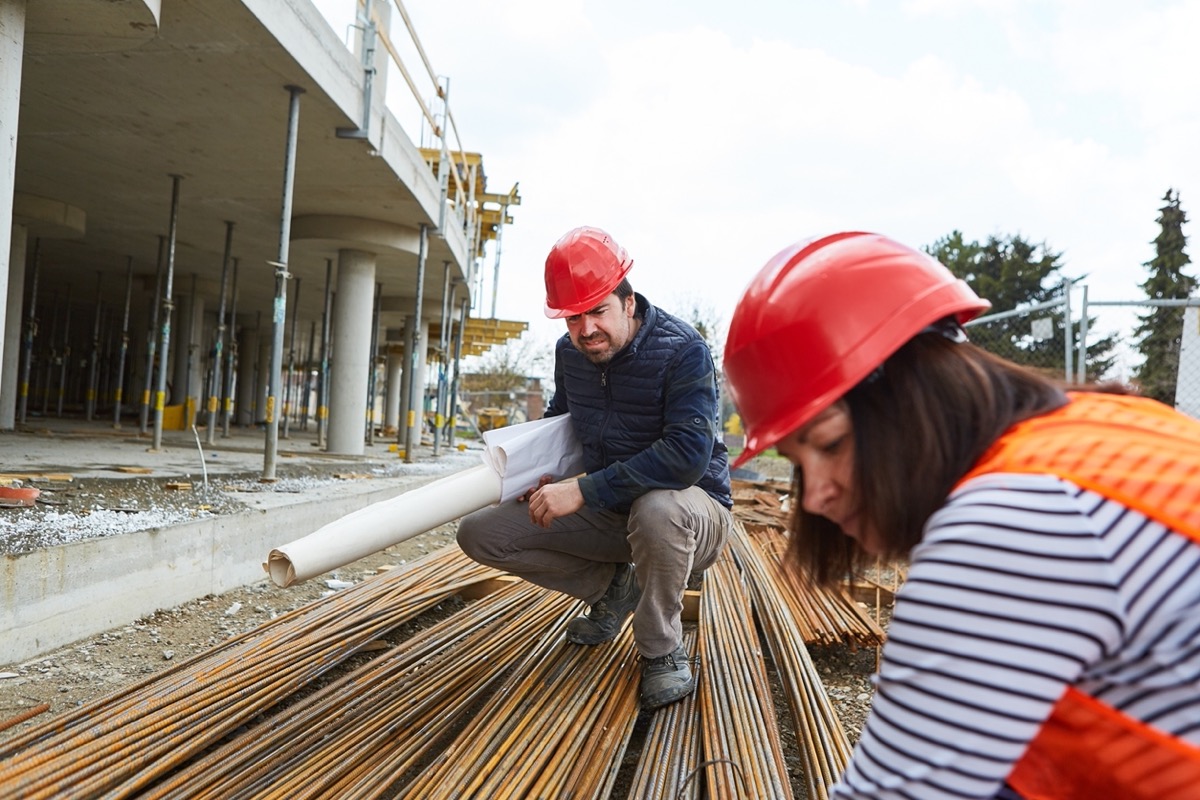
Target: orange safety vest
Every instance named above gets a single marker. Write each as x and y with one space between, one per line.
1146 456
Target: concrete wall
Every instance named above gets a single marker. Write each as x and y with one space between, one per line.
53 597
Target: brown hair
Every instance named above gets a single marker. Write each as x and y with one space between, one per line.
623 290
920 422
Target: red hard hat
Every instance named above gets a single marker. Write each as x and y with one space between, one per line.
583 268
820 316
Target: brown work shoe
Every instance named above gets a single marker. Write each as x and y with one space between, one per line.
606 616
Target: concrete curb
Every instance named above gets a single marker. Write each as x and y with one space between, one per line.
56 596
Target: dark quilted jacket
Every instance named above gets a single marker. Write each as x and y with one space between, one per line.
649 418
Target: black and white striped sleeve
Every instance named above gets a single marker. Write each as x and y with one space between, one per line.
1010 596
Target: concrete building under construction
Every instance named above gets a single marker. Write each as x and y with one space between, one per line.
211 212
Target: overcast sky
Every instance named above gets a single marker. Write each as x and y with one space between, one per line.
707 136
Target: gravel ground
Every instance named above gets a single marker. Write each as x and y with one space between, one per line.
86 670
82 508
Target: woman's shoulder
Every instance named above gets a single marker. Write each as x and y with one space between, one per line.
1036 515
1035 512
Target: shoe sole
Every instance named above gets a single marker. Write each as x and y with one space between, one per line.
666 698
589 641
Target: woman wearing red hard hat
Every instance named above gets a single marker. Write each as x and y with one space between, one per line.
1046 642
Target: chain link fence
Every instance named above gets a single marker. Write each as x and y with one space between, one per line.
1073 339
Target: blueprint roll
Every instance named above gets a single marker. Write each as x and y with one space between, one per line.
383 524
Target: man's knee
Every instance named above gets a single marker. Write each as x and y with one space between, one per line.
471 534
657 509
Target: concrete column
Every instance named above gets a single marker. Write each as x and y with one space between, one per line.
10 356
12 51
352 314
247 356
395 367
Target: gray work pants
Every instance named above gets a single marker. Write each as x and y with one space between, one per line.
666 535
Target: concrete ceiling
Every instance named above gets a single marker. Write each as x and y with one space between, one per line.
115 102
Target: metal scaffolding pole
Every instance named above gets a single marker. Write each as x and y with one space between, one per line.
119 393
415 418
496 264
65 356
308 368
231 361
291 368
152 338
371 365
89 397
48 361
1083 335
323 377
30 332
279 317
458 345
1068 341
167 304
189 347
443 360
214 382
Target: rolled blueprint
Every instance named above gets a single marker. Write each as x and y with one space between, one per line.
522 454
382 524
514 459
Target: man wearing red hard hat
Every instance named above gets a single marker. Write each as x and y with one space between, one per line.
653 506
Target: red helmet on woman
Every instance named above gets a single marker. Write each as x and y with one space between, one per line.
583 268
820 316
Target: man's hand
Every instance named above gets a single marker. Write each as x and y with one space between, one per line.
553 500
545 479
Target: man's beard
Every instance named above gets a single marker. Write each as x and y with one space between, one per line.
597 357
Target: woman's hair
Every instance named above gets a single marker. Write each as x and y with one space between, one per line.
920 422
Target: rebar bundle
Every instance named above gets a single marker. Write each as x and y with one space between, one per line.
490 702
823 616
121 744
558 727
358 736
825 749
669 767
743 753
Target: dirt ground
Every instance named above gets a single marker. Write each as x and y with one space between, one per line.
89 669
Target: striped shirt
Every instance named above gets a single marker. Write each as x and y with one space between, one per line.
1022 586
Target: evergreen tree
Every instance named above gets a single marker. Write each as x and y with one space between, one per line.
1160 330
1013 273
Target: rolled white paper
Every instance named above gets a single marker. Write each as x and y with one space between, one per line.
514 459
522 454
383 524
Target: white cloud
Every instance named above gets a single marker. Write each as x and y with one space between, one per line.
1144 55
707 142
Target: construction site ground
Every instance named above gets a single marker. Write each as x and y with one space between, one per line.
72 676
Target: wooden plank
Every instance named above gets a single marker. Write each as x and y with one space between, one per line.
63 477
484 588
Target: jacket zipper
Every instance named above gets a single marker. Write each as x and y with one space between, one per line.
607 414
